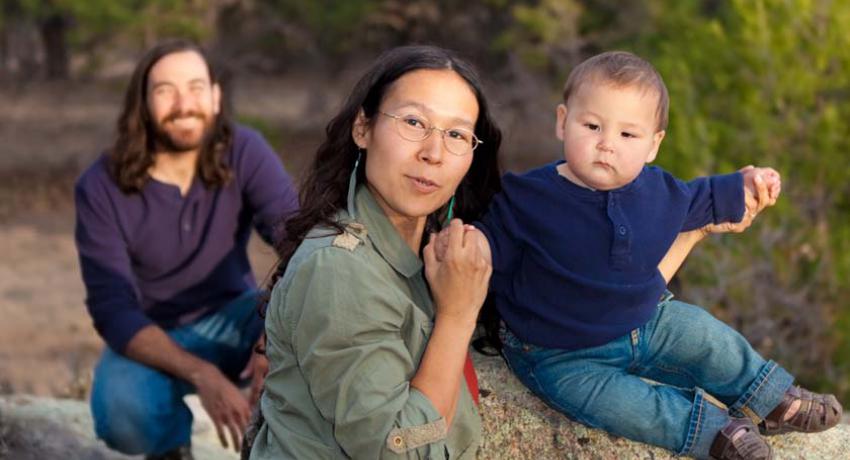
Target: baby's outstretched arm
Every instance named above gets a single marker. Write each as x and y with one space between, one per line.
766 193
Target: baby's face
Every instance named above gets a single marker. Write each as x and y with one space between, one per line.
609 133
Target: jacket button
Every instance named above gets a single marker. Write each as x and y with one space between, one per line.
397 441
622 230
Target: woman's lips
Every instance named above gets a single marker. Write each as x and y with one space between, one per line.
423 184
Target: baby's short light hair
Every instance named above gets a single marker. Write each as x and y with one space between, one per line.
621 69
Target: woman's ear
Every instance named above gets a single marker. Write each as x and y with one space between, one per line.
360 130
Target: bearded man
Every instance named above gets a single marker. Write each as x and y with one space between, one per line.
163 220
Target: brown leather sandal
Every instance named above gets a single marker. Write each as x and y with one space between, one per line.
748 446
817 412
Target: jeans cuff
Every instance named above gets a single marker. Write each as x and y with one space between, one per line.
764 394
706 421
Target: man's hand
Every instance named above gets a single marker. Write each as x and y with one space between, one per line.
257 368
226 405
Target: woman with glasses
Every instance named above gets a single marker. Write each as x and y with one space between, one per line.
367 343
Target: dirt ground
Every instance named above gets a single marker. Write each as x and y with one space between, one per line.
48 134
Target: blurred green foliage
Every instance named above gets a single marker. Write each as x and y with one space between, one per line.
544 34
103 19
766 82
329 25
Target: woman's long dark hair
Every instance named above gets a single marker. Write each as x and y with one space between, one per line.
324 189
131 155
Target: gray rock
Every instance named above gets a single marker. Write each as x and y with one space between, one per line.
517 425
35 428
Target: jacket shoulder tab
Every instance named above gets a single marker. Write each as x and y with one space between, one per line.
351 237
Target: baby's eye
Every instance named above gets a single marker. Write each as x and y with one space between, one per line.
591 126
627 134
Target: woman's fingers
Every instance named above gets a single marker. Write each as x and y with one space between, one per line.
428 250
455 235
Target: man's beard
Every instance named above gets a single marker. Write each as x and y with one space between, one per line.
171 138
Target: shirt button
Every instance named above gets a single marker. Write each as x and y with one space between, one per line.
397 441
622 230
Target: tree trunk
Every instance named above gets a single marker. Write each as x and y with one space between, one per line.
53 32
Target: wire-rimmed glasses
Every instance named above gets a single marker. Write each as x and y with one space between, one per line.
458 141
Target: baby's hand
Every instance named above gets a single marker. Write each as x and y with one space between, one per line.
441 241
754 177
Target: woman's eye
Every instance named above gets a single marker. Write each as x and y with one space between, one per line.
459 135
414 122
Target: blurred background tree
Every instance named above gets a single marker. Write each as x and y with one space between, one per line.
766 82
751 81
90 27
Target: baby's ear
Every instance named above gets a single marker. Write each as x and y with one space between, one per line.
656 143
560 121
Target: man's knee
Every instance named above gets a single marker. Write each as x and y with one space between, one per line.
137 409
133 424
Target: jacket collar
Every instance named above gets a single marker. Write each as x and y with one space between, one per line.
381 232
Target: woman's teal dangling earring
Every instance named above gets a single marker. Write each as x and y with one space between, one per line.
451 212
352 184
357 161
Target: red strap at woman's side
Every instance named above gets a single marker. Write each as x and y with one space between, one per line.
471 378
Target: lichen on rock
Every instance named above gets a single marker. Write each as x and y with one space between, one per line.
518 425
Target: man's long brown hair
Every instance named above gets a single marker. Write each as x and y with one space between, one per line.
131 155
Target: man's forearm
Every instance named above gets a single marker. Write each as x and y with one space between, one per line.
153 347
678 252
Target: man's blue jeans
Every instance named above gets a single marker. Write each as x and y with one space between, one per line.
140 410
684 351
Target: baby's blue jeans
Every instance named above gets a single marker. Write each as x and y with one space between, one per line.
686 353
140 410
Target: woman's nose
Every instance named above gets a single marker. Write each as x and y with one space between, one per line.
431 149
